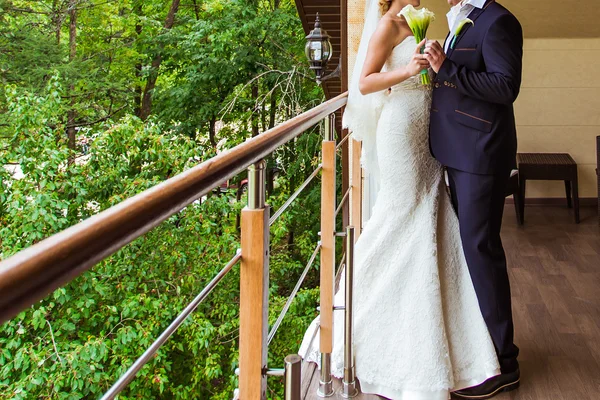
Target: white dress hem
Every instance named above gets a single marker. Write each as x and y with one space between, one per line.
379 390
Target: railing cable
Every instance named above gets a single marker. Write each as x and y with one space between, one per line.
293 197
344 140
340 268
35 272
128 376
293 295
343 201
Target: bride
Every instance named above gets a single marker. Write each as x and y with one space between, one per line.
419 332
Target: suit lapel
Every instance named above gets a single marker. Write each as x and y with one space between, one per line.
476 13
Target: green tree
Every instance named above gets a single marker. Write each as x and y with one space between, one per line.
76 76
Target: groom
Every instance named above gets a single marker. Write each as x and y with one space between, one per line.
473 134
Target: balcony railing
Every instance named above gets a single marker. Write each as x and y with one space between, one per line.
34 273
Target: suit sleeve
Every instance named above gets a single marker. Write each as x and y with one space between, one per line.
503 57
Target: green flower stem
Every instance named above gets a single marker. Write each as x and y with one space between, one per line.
453 42
425 80
424 73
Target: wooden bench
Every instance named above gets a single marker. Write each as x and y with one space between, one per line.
550 166
598 173
514 190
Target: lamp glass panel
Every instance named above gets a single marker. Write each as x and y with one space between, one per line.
327 50
314 50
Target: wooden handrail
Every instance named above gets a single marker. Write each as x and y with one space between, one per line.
35 272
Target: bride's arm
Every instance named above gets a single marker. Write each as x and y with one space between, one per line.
380 47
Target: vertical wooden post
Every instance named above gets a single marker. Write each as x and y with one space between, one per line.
356 182
344 132
254 288
355 10
328 206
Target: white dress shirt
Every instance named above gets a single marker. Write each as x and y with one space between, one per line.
458 13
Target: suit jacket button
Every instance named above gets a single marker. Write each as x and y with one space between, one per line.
437 85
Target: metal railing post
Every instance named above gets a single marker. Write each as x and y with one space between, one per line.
254 288
349 381
293 377
328 205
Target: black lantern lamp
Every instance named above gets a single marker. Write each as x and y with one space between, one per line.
319 51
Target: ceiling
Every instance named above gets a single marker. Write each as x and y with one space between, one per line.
329 14
539 18
331 21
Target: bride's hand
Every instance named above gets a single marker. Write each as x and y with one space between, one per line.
418 61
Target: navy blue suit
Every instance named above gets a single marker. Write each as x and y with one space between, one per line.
473 134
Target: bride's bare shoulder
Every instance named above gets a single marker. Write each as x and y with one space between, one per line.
392 30
386 33
389 25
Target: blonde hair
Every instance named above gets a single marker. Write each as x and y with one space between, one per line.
384 5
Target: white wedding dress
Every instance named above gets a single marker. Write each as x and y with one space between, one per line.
418 329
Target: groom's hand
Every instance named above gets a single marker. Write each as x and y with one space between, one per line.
434 53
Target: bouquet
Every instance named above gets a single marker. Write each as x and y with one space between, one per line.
418 22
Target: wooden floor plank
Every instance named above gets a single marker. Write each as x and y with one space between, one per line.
309 373
311 392
554 266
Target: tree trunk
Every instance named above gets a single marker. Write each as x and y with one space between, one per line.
272 113
290 240
212 132
269 176
146 108
56 20
263 116
196 10
273 109
72 114
137 99
291 153
72 30
255 110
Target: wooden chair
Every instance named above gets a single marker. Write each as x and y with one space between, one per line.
513 190
598 173
550 166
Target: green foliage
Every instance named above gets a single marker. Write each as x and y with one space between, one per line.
37 205
69 121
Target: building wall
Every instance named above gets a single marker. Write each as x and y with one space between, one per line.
356 10
559 106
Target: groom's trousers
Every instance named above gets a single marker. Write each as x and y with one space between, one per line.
479 202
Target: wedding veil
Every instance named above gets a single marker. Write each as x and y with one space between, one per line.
362 111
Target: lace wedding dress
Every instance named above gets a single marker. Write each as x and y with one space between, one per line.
419 332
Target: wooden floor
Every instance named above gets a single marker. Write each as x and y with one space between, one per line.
554 267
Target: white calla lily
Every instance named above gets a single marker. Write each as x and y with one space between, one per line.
459 29
418 21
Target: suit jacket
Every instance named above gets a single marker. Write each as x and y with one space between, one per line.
472 116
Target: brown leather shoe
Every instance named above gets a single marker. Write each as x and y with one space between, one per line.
490 388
